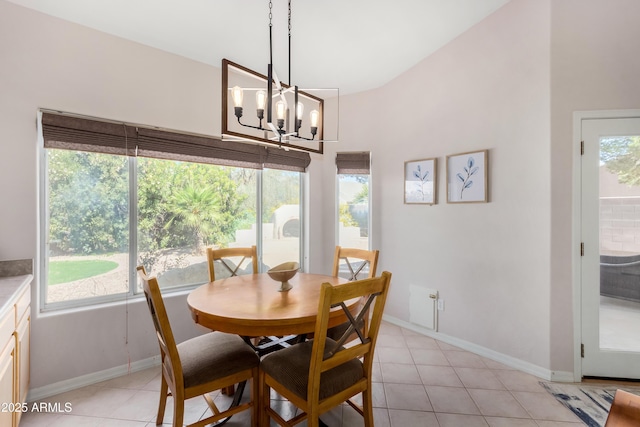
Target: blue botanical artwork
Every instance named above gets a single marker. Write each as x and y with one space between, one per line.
469 170
467 177
419 184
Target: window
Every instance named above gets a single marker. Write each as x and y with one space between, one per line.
353 200
183 208
106 212
281 217
88 225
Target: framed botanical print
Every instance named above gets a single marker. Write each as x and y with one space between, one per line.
467 177
420 182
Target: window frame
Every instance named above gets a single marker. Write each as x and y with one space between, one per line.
132 292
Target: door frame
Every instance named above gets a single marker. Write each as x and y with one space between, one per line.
576 232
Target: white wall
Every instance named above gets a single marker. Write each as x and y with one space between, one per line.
488 89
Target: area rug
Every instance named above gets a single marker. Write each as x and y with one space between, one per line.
590 403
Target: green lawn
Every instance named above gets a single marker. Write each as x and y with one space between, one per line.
68 271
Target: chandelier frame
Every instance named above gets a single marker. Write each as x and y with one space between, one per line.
276 134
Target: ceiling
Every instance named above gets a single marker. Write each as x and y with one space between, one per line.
351 45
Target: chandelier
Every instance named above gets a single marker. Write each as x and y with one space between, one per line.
262 108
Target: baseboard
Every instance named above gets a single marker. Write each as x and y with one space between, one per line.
43 392
564 377
510 361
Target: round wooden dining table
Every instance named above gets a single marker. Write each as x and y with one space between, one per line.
251 305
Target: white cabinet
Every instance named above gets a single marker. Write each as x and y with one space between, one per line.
15 328
7 378
22 337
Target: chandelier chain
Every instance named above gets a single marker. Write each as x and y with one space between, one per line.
289 42
270 33
289 18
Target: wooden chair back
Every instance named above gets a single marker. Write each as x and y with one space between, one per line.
224 254
374 292
170 359
356 260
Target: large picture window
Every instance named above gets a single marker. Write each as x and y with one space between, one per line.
106 213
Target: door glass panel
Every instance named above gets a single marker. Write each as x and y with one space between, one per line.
620 243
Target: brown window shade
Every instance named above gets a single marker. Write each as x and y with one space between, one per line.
354 163
84 134
74 133
161 144
277 158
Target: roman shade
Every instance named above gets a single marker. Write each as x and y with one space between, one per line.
358 163
71 132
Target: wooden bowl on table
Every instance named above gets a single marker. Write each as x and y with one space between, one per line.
282 273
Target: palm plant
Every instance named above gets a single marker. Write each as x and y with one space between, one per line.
196 209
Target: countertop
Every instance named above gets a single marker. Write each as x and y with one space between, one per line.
14 277
10 289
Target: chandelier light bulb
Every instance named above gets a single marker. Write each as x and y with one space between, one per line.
314 116
280 110
299 110
236 94
261 99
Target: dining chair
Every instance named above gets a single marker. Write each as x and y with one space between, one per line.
319 374
355 260
200 365
222 256
625 410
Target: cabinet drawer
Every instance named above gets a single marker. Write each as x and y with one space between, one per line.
7 326
23 304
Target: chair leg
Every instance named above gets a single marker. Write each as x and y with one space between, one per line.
264 401
313 420
367 407
178 410
164 388
255 393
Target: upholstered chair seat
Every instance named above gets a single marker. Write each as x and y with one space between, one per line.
290 367
203 362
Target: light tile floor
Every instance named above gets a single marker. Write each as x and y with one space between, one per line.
418 382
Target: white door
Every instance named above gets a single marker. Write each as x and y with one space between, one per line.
610 266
